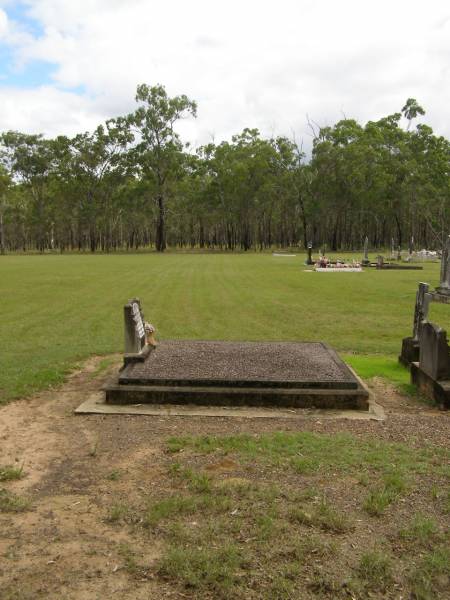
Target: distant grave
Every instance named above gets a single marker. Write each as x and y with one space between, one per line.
381 264
365 261
427 352
339 265
421 256
273 374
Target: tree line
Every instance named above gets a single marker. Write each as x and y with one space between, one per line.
134 184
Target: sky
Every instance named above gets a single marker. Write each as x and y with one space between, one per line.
66 65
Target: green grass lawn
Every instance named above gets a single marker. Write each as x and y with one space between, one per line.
58 310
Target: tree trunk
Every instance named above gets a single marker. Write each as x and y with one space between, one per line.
399 229
2 234
304 222
161 225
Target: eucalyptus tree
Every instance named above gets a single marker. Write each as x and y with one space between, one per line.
159 150
247 179
302 181
430 184
5 183
339 161
30 161
91 168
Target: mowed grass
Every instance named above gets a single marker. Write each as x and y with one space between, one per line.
58 310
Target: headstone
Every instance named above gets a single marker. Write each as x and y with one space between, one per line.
309 260
365 261
392 249
410 345
134 327
434 357
399 253
411 245
420 309
444 286
380 262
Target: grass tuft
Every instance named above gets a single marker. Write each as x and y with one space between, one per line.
379 498
117 513
174 506
375 569
129 559
422 529
323 516
200 568
429 581
9 473
10 502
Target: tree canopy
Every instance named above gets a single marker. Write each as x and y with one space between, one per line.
133 183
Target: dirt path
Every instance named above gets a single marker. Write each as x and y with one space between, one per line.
65 547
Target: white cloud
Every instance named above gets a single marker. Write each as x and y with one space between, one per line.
247 63
3 24
47 110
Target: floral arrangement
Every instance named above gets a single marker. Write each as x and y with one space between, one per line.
149 333
325 263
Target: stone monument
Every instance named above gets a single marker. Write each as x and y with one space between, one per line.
365 261
434 358
432 373
136 346
444 286
380 262
427 352
410 345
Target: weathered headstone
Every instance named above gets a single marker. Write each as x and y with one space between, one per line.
134 327
420 309
444 286
365 261
392 249
410 344
434 358
399 253
411 245
380 261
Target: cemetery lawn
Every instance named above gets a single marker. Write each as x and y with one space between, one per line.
58 310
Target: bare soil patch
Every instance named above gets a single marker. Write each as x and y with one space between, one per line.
92 481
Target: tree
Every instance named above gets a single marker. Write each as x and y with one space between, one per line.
30 158
132 183
5 182
92 167
411 110
159 150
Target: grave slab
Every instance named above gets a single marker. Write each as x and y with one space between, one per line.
285 374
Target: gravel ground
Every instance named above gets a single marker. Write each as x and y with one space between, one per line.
242 362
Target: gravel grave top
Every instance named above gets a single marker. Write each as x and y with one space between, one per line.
280 364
